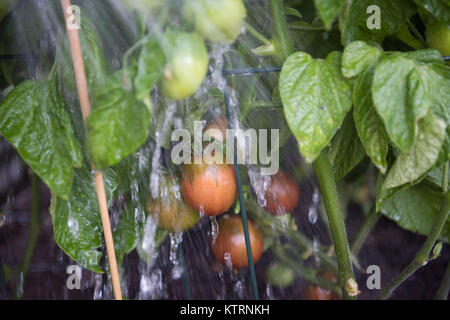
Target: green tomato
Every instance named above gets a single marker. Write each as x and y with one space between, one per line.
187 64
438 36
5 7
280 275
216 20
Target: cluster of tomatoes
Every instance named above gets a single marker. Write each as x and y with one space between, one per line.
210 190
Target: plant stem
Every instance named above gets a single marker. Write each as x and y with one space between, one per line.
256 34
421 257
269 222
327 185
416 33
442 292
363 232
281 34
445 178
308 274
306 28
35 228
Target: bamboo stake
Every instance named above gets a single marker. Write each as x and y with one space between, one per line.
82 88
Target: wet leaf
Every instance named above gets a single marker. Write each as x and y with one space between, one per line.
316 98
424 154
328 10
439 8
402 93
346 150
416 208
33 119
149 69
76 222
126 234
358 56
118 124
353 19
369 126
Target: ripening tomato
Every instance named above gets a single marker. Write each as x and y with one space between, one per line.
209 188
173 214
216 20
219 124
438 36
282 194
229 245
186 64
317 293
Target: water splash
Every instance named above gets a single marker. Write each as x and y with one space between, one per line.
176 238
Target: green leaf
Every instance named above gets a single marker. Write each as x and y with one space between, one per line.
353 19
93 58
76 222
328 10
126 234
316 98
423 56
292 12
358 56
402 94
33 119
439 8
435 176
346 150
416 208
368 124
149 69
410 167
118 124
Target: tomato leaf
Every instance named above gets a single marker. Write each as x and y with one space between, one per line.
439 8
126 234
33 119
354 17
402 93
424 154
357 57
76 222
416 208
316 98
346 150
118 124
149 69
328 10
368 124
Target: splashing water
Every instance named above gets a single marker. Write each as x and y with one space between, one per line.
176 238
154 176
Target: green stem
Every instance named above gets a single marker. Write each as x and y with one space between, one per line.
306 28
256 34
327 185
35 228
416 33
445 178
366 228
308 274
421 257
281 34
268 222
442 292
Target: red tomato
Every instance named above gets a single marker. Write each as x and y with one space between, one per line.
209 188
282 194
221 124
229 245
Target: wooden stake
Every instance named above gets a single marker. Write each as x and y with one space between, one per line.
82 88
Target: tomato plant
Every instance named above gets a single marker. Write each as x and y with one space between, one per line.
361 105
228 246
